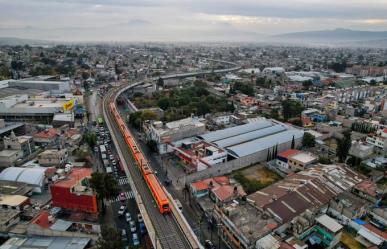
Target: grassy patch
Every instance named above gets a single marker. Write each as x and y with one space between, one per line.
255 178
382 182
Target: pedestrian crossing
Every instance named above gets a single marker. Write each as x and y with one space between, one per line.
128 195
123 181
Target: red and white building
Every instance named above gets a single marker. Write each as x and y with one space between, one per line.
199 155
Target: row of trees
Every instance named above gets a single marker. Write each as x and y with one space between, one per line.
105 185
291 109
244 88
138 117
363 127
343 146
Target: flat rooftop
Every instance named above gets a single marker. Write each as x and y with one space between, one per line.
251 223
7 214
13 200
329 223
8 153
304 157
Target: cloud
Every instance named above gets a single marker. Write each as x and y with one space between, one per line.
183 19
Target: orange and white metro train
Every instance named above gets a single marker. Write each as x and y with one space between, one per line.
158 193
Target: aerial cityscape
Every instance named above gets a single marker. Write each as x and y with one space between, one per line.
193 124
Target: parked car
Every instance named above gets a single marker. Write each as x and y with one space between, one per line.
123 234
128 217
139 218
178 204
209 245
135 240
142 228
132 226
122 210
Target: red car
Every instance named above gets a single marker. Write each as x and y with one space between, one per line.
122 196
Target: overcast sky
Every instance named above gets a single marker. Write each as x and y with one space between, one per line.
183 20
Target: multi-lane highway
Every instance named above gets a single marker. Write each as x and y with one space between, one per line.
168 230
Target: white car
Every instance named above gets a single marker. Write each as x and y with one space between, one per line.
139 218
132 225
122 210
123 235
128 217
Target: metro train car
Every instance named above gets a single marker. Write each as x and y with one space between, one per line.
154 186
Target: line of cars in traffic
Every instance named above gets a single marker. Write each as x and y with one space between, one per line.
122 212
110 162
112 165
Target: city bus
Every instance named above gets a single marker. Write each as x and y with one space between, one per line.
100 121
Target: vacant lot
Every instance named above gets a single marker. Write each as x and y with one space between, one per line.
261 173
255 178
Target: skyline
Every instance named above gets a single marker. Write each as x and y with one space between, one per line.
183 20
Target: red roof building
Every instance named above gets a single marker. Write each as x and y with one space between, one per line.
282 158
73 193
45 137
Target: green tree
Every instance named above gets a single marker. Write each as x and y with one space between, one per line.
244 88
110 238
343 146
160 82
90 138
105 185
164 103
85 75
324 160
152 144
308 140
203 108
138 117
293 143
306 84
291 109
5 73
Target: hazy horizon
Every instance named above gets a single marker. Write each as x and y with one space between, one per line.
183 20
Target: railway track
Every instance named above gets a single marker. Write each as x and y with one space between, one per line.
168 232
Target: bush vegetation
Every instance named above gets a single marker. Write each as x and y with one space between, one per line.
181 103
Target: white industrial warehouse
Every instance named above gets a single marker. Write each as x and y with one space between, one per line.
253 141
34 176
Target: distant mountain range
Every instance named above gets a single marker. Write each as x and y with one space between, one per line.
336 36
21 41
